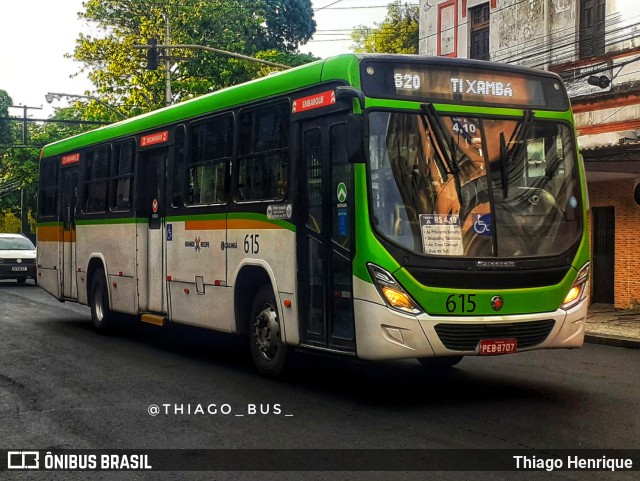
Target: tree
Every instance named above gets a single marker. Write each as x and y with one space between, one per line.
117 68
397 33
5 129
19 165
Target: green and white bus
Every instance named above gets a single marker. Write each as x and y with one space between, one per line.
375 206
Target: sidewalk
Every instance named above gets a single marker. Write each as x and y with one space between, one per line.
613 327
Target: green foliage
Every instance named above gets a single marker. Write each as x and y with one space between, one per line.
118 69
19 165
9 222
5 128
397 33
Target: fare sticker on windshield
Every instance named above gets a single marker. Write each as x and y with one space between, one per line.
441 234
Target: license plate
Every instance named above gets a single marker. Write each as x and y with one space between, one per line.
19 269
495 347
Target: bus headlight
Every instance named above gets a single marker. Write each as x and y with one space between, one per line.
391 291
578 290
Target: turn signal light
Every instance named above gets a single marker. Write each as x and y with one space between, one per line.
397 299
391 291
574 294
579 289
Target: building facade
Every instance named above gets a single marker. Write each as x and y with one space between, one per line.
594 45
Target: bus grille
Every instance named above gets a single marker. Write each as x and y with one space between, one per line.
465 337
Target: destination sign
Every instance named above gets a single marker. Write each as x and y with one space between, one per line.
315 101
464 84
155 138
70 159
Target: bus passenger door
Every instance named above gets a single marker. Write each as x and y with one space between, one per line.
68 265
325 236
151 205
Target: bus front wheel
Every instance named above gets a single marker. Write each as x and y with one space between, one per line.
101 315
265 337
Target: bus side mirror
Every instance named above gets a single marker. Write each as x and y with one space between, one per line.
355 136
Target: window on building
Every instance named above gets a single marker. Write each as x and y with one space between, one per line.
479 42
263 153
592 18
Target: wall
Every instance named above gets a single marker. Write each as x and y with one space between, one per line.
619 194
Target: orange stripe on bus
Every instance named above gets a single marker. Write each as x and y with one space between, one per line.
50 234
231 224
205 225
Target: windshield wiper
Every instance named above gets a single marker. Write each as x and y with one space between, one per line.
520 136
503 166
448 151
507 155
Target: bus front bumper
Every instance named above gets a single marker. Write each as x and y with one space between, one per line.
383 333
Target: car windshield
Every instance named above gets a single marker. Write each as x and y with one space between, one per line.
472 186
15 244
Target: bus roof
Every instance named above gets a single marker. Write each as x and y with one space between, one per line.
342 67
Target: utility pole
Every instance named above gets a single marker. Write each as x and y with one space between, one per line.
167 90
24 119
23 207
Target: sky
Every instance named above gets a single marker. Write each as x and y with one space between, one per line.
36 34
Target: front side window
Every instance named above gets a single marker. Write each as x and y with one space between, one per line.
474 187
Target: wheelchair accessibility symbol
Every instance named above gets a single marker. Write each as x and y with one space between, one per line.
482 224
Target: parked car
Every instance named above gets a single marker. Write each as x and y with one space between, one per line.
17 258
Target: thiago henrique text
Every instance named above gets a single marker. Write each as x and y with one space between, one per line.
573 463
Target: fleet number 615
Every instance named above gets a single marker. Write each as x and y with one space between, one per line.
466 303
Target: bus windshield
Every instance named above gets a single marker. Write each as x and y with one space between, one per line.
476 187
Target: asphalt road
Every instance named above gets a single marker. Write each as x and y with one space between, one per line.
64 387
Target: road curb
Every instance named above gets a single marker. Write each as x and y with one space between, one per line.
615 341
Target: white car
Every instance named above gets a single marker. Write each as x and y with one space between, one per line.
17 258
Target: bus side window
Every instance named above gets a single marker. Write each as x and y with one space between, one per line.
210 150
122 169
263 153
96 179
48 188
177 179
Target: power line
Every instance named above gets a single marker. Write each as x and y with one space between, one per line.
326 6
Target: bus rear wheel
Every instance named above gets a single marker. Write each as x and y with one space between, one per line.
440 362
101 315
268 350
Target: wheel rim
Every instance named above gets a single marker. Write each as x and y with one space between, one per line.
267 333
98 307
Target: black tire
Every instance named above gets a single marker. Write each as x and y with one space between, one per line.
21 280
440 363
101 315
265 340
